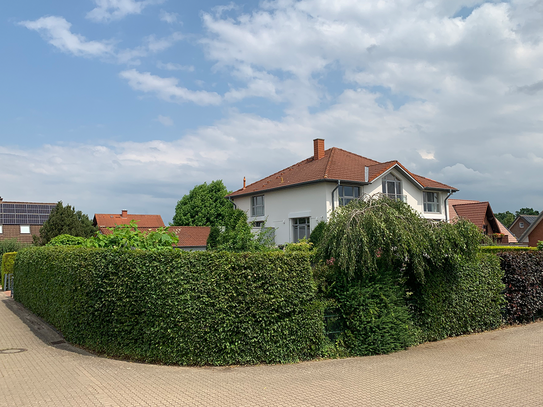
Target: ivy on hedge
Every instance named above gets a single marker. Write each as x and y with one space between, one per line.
523 285
188 308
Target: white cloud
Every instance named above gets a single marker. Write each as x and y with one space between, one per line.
165 120
151 45
169 18
167 89
56 31
109 10
170 66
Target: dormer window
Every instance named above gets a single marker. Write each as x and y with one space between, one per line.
431 202
392 187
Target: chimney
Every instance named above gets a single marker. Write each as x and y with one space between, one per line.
318 147
244 182
124 213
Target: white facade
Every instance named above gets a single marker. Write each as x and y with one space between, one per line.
287 209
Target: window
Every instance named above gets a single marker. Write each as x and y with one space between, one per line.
347 194
431 202
258 224
257 206
392 187
300 228
25 229
521 225
1 231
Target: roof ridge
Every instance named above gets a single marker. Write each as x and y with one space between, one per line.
358 155
332 150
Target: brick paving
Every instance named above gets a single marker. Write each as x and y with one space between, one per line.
498 368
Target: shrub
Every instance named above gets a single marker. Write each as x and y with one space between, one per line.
11 245
540 245
8 260
523 285
456 300
502 249
317 233
173 307
66 240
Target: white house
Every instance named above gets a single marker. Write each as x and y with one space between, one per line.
295 199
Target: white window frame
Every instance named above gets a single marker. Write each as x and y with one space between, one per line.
397 190
433 206
298 226
1 229
521 225
257 209
345 199
24 231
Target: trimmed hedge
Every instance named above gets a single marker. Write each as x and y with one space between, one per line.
523 285
501 249
459 300
8 260
188 308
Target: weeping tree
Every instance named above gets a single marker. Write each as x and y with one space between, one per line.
380 250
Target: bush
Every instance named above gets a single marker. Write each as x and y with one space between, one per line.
8 260
523 285
456 300
174 307
502 249
66 240
376 318
11 245
317 233
540 245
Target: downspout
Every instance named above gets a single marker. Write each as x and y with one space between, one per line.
334 190
447 205
230 199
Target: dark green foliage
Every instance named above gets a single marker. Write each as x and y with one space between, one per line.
205 205
65 220
376 318
8 260
506 218
540 245
317 233
523 285
66 240
526 211
11 245
459 298
502 249
189 308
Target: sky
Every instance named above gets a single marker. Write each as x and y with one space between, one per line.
128 104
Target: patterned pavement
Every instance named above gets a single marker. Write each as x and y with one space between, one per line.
498 368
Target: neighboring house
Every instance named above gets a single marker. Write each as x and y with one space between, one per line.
534 232
191 237
481 214
21 220
521 224
295 199
104 221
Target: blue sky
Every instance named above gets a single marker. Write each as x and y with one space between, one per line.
128 104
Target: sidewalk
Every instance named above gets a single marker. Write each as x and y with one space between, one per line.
498 368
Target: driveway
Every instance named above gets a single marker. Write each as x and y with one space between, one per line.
498 368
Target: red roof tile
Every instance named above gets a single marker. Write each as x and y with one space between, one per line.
191 236
474 212
103 220
337 164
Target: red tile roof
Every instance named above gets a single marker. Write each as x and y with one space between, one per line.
103 220
191 236
474 212
337 164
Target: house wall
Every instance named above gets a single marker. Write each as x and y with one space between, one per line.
536 235
14 232
516 229
284 205
414 195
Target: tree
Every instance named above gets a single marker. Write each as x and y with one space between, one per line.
526 211
507 218
65 220
205 205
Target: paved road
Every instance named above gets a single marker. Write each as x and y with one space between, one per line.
499 368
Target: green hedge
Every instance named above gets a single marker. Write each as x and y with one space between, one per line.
458 300
8 260
502 249
523 280
189 308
